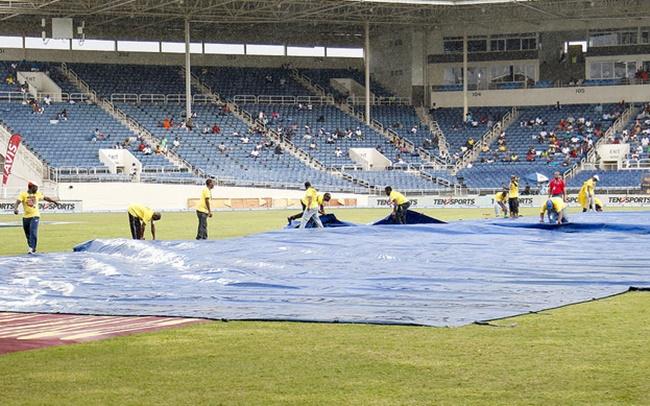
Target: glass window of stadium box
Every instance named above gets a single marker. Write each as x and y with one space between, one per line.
645 35
614 37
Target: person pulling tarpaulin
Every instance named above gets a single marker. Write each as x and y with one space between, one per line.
321 199
400 205
587 194
556 210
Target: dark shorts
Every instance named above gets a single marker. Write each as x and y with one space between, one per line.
136 227
513 204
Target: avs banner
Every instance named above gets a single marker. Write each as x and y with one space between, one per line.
10 157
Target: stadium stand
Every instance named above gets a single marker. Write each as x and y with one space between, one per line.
73 143
323 77
107 79
545 139
637 134
406 123
231 81
313 131
401 180
221 145
623 179
458 133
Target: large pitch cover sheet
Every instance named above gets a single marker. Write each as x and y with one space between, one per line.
434 274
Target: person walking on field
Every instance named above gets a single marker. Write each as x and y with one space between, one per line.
139 216
557 188
203 210
311 207
31 213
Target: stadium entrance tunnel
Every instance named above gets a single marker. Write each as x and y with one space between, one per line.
423 274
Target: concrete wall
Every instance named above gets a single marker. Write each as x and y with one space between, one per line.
541 97
117 196
391 60
551 45
142 58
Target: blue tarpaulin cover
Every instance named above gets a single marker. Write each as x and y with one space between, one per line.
412 217
328 220
429 274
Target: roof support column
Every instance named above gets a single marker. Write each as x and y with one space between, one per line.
465 106
188 74
366 54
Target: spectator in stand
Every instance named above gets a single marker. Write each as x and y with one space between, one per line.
255 153
557 187
166 123
531 154
278 150
141 147
244 139
47 100
338 152
222 148
206 129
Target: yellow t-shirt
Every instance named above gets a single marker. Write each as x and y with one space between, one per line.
397 198
588 188
558 205
205 194
514 189
319 199
311 192
30 203
143 213
501 197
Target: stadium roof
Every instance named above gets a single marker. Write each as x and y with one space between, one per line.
308 20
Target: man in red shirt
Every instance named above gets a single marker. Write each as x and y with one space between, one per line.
556 187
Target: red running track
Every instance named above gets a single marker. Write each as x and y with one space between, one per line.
26 331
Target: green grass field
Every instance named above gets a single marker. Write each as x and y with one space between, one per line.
593 353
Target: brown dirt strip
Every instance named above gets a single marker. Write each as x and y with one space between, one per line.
26 331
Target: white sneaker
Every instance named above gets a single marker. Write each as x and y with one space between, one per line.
31 252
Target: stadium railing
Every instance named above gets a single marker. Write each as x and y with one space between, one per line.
286 100
380 100
13 96
486 139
